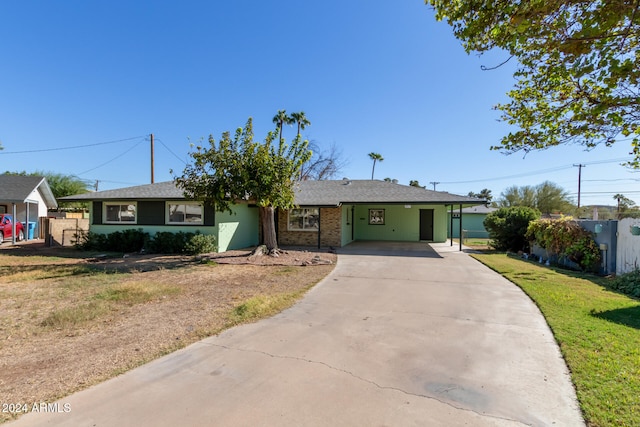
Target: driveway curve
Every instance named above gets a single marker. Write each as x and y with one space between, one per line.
397 335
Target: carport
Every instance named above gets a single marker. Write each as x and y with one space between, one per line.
27 199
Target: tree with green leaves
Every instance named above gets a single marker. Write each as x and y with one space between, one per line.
624 204
376 157
237 168
547 197
301 120
485 194
281 119
578 73
415 183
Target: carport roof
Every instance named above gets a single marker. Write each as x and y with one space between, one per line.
18 188
347 191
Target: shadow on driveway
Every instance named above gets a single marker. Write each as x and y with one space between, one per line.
389 248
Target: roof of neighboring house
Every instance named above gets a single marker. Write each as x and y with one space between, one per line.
346 191
18 188
307 193
480 209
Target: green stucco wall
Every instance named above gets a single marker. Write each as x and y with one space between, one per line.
402 223
472 223
232 231
239 229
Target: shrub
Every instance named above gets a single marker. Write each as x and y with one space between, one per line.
201 244
564 237
507 227
163 242
628 283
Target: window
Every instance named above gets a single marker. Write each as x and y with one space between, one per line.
305 219
185 213
376 216
120 213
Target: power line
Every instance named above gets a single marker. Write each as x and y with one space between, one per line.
115 158
538 172
70 148
169 150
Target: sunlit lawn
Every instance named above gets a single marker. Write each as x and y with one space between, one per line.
598 332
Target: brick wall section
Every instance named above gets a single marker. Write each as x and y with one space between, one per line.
61 231
330 223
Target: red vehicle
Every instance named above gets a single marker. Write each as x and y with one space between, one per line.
6 223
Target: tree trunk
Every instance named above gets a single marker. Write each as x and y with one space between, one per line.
270 239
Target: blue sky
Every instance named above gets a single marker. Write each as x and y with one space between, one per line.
371 75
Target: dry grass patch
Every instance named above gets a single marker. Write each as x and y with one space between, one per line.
67 323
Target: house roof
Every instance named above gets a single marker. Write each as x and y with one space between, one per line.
18 188
480 209
307 193
160 190
346 191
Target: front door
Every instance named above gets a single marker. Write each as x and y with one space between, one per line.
426 224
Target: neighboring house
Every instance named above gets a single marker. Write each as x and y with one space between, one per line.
329 213
472 222
27 199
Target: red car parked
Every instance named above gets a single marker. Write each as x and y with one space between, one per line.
6 223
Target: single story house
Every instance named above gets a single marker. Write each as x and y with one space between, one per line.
27 199
472 222
328 213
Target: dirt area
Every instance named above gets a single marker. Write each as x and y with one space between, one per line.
140 306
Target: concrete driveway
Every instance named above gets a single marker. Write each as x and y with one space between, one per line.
398 335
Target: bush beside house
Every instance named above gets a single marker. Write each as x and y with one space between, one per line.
507 227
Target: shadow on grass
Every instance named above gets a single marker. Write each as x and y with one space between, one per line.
629 316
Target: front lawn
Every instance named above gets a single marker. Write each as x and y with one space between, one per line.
598 331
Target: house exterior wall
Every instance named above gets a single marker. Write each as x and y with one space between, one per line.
239 229
232 231
401 223
472 223
330 230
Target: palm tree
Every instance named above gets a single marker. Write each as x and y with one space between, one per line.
624 203
301 119
282 119
376 157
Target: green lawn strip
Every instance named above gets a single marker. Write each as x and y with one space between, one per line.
598 332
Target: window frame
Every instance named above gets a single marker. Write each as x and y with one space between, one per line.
167 211
105 206
376 213
303 229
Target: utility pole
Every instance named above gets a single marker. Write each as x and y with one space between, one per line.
152 180
96 185
579 166
434 184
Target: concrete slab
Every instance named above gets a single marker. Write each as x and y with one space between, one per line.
409 335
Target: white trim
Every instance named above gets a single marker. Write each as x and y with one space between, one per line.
119 203
312 228
167 214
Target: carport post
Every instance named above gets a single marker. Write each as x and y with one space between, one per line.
460 227
13 223
451 226
319 227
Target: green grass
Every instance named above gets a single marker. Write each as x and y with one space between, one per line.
598 332
262 306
